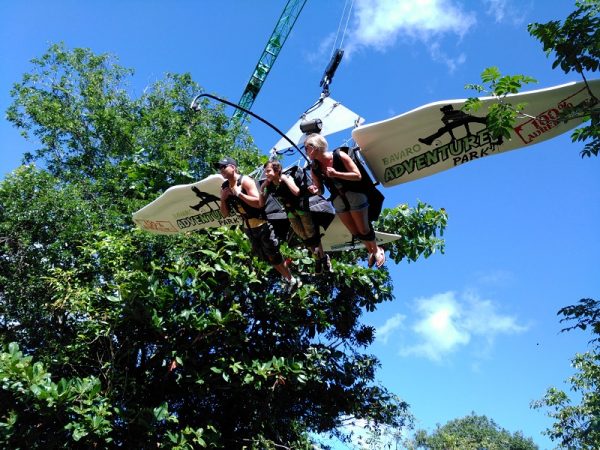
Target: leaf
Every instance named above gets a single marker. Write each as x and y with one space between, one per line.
161 412
79 433
490 74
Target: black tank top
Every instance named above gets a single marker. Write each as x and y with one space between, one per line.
241 207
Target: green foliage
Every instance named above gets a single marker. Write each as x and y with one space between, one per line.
421 229
586 314
574 42
76 105
191 341
502 115
589 133
43 222
472 433
577 425
38 413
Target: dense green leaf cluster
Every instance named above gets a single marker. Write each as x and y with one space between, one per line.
501 115
421 229
472 433
576 46
574 42
168 341
69 413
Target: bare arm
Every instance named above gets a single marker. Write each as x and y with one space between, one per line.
291 184
316 187
225 194
252 196
262 195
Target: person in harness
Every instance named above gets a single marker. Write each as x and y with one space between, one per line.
240 193
296 205
338 172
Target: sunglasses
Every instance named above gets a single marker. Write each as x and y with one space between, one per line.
222 166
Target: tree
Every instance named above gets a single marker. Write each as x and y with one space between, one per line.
472 433
577 426
503 114
112 337
575 44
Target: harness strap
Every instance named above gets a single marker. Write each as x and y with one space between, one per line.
341 192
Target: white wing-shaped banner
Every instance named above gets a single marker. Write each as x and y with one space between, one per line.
439 136
186 207
334 116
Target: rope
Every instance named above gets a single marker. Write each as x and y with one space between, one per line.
346 26
337 34
347 15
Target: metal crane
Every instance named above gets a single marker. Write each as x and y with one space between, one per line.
265 63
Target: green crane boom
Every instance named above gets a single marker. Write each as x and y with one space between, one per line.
265 63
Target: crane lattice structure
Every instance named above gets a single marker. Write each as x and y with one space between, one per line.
265 63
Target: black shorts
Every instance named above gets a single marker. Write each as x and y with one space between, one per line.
264 243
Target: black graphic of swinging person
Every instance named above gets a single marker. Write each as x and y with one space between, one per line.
205 199
453 119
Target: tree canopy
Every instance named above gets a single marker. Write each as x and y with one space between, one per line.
112 337
472 433
577 417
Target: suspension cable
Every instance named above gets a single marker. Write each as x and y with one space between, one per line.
348 4
347 21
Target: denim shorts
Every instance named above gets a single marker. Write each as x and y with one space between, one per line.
356 201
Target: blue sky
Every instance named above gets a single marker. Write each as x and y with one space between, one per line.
472 330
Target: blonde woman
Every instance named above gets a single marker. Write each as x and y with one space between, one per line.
336 171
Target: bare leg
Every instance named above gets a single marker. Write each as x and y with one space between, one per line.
291 282
376 253
361 220
357 222
348 221
318 250
284 271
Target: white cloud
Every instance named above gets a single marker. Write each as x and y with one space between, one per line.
497 9
393 323
495 278
315 57
380 23
508 11
446 323
440 56
362 433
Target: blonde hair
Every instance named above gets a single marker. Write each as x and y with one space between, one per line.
317 141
